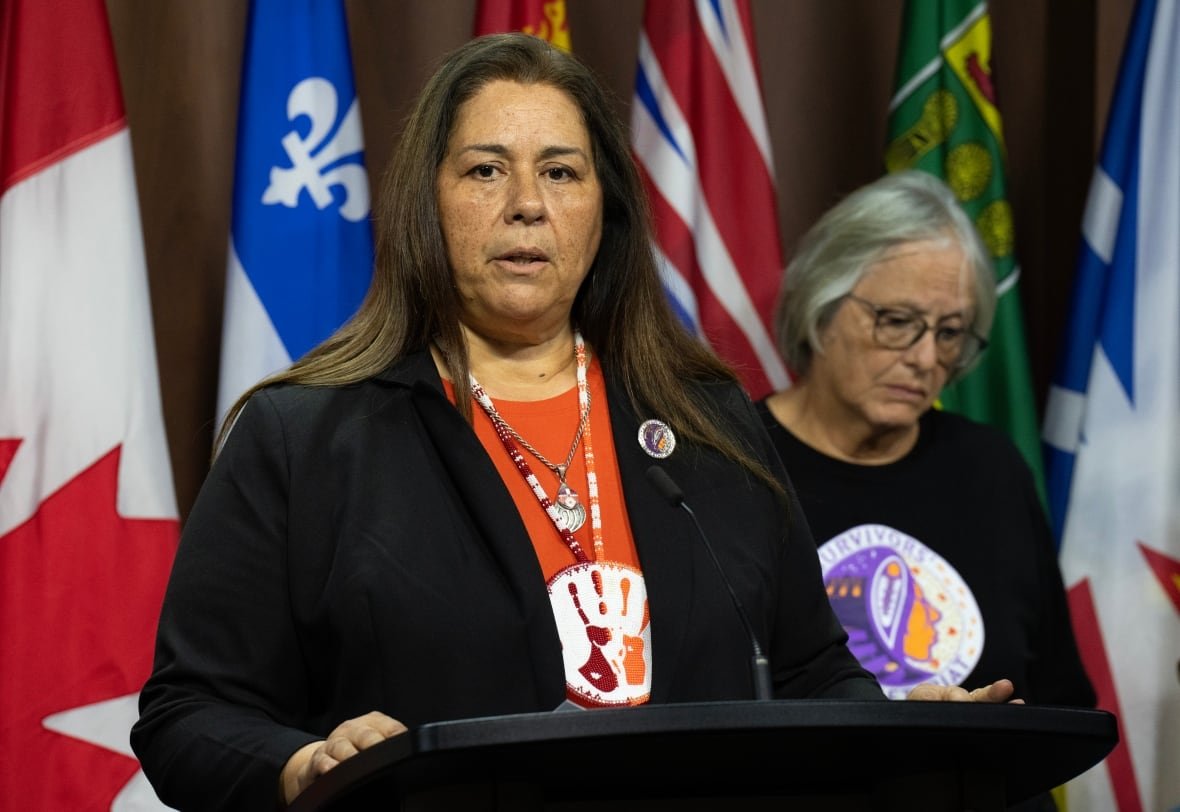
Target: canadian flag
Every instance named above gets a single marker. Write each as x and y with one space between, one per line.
88 520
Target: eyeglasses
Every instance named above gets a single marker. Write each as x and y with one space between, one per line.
956 347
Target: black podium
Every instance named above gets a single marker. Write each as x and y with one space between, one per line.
726 755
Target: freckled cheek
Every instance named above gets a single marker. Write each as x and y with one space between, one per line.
455 247
583 247
462 237
595 236
585 215
579 245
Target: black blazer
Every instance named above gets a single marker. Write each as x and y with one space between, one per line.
354 549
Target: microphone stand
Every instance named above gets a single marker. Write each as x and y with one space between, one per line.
759 664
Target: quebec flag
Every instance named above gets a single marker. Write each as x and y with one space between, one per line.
1112 428
301 243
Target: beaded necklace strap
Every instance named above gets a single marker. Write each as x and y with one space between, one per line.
588 452
504 432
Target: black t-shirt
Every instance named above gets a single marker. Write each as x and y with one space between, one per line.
941 565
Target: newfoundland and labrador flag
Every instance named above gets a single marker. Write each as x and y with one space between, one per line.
1112 428
88 520
699 135
301 244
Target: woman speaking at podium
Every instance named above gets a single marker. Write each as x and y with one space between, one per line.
444 510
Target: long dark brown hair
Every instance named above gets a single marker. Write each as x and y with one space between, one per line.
621 308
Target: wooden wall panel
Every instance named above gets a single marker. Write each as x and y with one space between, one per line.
827 71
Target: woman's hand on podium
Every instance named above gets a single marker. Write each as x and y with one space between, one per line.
349 738
999 691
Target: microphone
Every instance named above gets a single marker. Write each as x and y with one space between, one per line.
759 664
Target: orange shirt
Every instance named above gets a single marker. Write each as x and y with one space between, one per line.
549 426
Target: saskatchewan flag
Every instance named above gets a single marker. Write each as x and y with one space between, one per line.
943 120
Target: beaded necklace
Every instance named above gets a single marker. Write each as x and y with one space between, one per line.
509 438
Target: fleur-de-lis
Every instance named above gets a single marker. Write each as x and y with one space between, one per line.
316 98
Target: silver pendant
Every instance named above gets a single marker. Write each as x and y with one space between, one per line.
570 511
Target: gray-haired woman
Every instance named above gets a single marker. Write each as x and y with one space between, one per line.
934 546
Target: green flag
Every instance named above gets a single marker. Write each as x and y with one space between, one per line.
943 120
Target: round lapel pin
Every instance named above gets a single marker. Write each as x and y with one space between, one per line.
657 439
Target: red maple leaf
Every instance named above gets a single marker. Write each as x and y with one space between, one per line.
80 593
7 452
1166 569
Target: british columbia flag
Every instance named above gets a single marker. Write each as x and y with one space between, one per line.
700 137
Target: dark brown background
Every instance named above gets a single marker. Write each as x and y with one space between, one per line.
827 72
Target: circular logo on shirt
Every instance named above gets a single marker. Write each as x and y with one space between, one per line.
602 619
909 615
